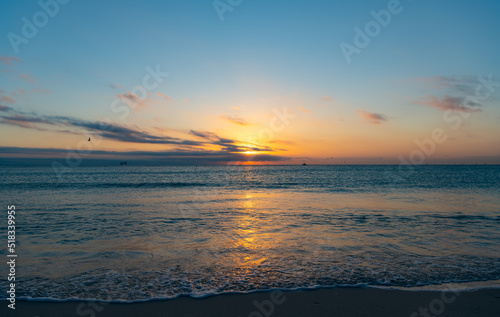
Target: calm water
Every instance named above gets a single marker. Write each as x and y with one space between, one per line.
134 233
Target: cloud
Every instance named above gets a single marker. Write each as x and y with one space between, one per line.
228 144
121 133
204 134
236 108
28 78
305 110
6 99
5 108
375 118
130 96
115 86
450 103
167 98
17 75
282 142
133 100
165 157
42 91
463 84
105 130
21 91
9 60
327 98
235 120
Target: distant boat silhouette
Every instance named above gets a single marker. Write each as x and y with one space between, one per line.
304 164
123 163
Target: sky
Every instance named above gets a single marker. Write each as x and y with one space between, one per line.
251 81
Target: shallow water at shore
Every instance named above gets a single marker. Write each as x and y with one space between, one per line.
135 233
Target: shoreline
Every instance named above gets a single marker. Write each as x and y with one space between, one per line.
315 302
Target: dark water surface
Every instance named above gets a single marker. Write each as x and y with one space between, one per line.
135 233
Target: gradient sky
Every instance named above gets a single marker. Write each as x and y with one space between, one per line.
228 78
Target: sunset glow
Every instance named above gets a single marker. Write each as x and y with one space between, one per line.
247 96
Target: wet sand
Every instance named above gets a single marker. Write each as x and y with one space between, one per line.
308 303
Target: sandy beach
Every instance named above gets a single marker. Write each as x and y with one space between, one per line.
308 303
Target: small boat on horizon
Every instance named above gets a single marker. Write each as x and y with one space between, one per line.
304 164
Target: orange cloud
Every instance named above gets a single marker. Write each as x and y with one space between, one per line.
375 118
305 110
133 100
21 91
6 99
235 120
167 98
9 60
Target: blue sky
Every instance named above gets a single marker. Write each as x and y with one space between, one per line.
264 55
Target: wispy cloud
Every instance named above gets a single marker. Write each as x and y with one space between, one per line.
133 100
28 78
328 99
105 130
235 120
42 90
17 75
229 145
5 108
23 92
463 84
305 110
450 103
121 133
375 118
115 86
167 98
9 60
282 142
6 99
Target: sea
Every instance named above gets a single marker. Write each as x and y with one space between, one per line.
136 233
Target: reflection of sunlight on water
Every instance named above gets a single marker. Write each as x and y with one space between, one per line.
247 240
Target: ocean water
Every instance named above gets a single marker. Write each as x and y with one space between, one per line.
137 233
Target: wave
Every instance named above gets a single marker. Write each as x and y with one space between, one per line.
56 185
455 285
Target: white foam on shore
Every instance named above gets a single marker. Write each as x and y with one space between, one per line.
455 287
452 286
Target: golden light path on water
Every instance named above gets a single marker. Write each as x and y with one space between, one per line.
165 232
